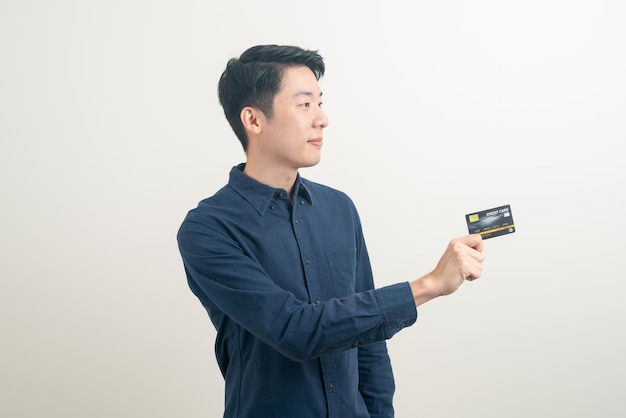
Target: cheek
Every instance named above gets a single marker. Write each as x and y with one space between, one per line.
293 131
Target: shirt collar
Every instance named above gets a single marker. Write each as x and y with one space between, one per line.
260 195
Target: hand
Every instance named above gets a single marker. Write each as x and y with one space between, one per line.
461 261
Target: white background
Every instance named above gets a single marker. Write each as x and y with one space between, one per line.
111 130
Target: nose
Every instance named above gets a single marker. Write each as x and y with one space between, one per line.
321 119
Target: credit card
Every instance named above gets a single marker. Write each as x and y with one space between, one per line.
492 222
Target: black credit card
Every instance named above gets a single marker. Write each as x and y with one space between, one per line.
491 223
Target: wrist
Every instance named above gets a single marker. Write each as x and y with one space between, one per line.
424 289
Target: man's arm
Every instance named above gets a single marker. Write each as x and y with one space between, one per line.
228 280
376 381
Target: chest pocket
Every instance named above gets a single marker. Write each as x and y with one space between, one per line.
342 265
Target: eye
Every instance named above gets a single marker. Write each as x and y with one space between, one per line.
307 104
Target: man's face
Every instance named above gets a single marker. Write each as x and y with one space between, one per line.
292 138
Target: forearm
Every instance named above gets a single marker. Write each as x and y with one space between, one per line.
423 289
301 330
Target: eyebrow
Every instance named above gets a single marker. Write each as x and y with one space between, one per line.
307 93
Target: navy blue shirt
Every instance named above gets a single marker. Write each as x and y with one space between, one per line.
288 286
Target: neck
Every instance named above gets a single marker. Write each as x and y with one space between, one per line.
279 179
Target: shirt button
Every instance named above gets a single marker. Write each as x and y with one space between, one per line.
296 222
317 301
308 261
330 385
401 324
302 202
355 344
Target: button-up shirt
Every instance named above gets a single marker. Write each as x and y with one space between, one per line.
288 285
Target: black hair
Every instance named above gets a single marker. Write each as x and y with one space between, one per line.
255 78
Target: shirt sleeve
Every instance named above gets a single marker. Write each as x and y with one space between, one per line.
228 280
376 381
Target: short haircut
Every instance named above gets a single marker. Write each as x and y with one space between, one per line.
255 78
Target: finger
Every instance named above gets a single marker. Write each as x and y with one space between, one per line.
473 269
479 246
474 274
476 255
475 241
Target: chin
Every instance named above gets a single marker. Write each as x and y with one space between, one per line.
311 163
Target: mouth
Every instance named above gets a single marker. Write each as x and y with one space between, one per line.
316 141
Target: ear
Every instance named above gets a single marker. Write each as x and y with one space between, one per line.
251 119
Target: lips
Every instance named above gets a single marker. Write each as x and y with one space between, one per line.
316 141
